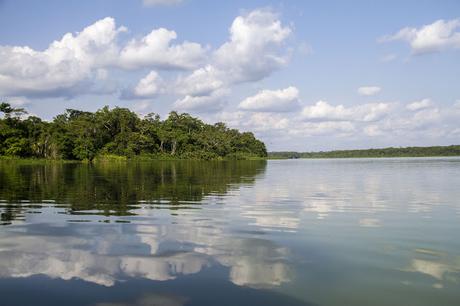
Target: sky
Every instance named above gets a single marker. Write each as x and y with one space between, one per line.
301 75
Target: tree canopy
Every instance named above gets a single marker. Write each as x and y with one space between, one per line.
453 150
80 135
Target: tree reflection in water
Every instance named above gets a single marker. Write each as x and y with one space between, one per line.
152 244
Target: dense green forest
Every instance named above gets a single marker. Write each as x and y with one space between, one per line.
453 150
80 135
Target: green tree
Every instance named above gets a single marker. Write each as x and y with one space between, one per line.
81 135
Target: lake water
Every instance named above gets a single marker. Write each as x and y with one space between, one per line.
290 232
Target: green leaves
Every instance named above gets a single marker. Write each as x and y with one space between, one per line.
84 135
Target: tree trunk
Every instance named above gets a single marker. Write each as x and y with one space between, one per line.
174 145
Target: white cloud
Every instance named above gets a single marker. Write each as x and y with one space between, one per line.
201 82
323 111
369 90
265 121
214 102
418 105
233 119
161 2
371 112
384 121
281 100
372 130
149 86
253 51
79 63
268 124
142 107
428 121
67 67
336 128
259 122
82 63
438 36
427 116
156 50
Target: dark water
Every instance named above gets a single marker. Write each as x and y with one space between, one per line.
296 232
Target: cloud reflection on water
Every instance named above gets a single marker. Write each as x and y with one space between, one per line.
80 253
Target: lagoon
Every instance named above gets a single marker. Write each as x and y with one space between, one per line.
278 232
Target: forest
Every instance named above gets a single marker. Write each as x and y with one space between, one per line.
453 150
119 132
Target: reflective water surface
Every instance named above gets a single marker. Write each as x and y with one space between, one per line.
294 232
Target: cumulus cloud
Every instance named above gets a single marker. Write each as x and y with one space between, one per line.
267 124
331 129
281 100
149 86
161 2
67 67
322 120
82 62
211 103
371 112
264 121
337 128
437 36
369 90
79 63
201 82
426 117
323 111
372 130
253 52
156 50
421 120
418 105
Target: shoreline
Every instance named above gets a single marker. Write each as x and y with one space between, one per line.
124 159
389 152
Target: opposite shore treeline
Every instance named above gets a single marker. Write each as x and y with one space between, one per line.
80 135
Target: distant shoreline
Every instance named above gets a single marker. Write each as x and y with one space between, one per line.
433 151
391 152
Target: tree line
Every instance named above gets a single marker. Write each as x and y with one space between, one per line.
453 150
82 135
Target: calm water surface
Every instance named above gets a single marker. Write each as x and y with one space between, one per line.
294 232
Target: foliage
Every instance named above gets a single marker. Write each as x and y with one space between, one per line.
80 135
453 150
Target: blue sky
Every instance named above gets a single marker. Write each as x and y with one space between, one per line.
301 75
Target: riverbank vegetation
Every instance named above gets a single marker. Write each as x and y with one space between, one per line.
119 133
453 150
